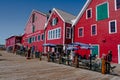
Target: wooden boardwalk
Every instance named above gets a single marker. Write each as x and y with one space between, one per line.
15 67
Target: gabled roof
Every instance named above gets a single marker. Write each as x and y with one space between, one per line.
31 15
82 12
66 17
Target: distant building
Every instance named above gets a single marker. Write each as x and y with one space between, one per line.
11 43
98 24
58 29
34 31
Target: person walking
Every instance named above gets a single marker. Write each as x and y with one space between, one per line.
108 61
29 53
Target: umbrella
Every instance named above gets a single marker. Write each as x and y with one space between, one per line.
80 44
72 48
86 47
19 44
49 44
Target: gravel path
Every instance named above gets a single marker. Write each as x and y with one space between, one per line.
15 67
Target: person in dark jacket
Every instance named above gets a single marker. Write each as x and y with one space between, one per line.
108 61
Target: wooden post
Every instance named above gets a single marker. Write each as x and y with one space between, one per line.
103 66
40 55
48 56
76 61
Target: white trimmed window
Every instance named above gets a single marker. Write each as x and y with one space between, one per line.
93 29
117 4
112 26
89 13
68 32
54 34
81 32
54 21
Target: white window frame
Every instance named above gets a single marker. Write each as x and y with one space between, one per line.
68 37
87 11
53 21
96 29
98 49
115 2
100 5
50 34
82 32
115 27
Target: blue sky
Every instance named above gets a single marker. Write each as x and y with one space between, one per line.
15 13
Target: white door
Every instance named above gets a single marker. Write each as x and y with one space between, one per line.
118 54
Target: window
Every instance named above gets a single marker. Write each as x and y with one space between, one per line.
30 40
54 21
102 11
80 32
54 34
93 30
35 38
117 4
33 28
33 18
89 13
58 35
68 32
42 37
38 37
112 27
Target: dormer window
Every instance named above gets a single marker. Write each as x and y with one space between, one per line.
54 21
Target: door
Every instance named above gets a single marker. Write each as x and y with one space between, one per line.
95 50
118 54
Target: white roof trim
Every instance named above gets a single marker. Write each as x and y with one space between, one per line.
81 12
51 15
59 14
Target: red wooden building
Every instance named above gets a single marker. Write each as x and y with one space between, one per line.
58 29
98 24
34 30
12 42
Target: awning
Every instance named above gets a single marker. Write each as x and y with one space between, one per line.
72 48
19 44
80 44
49 45
85 47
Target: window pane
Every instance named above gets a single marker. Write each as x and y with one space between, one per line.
89 14
93 30
38 37
81 32
42 36
58 33
53 34
112 26
33 28
118 4
68 33
102 11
